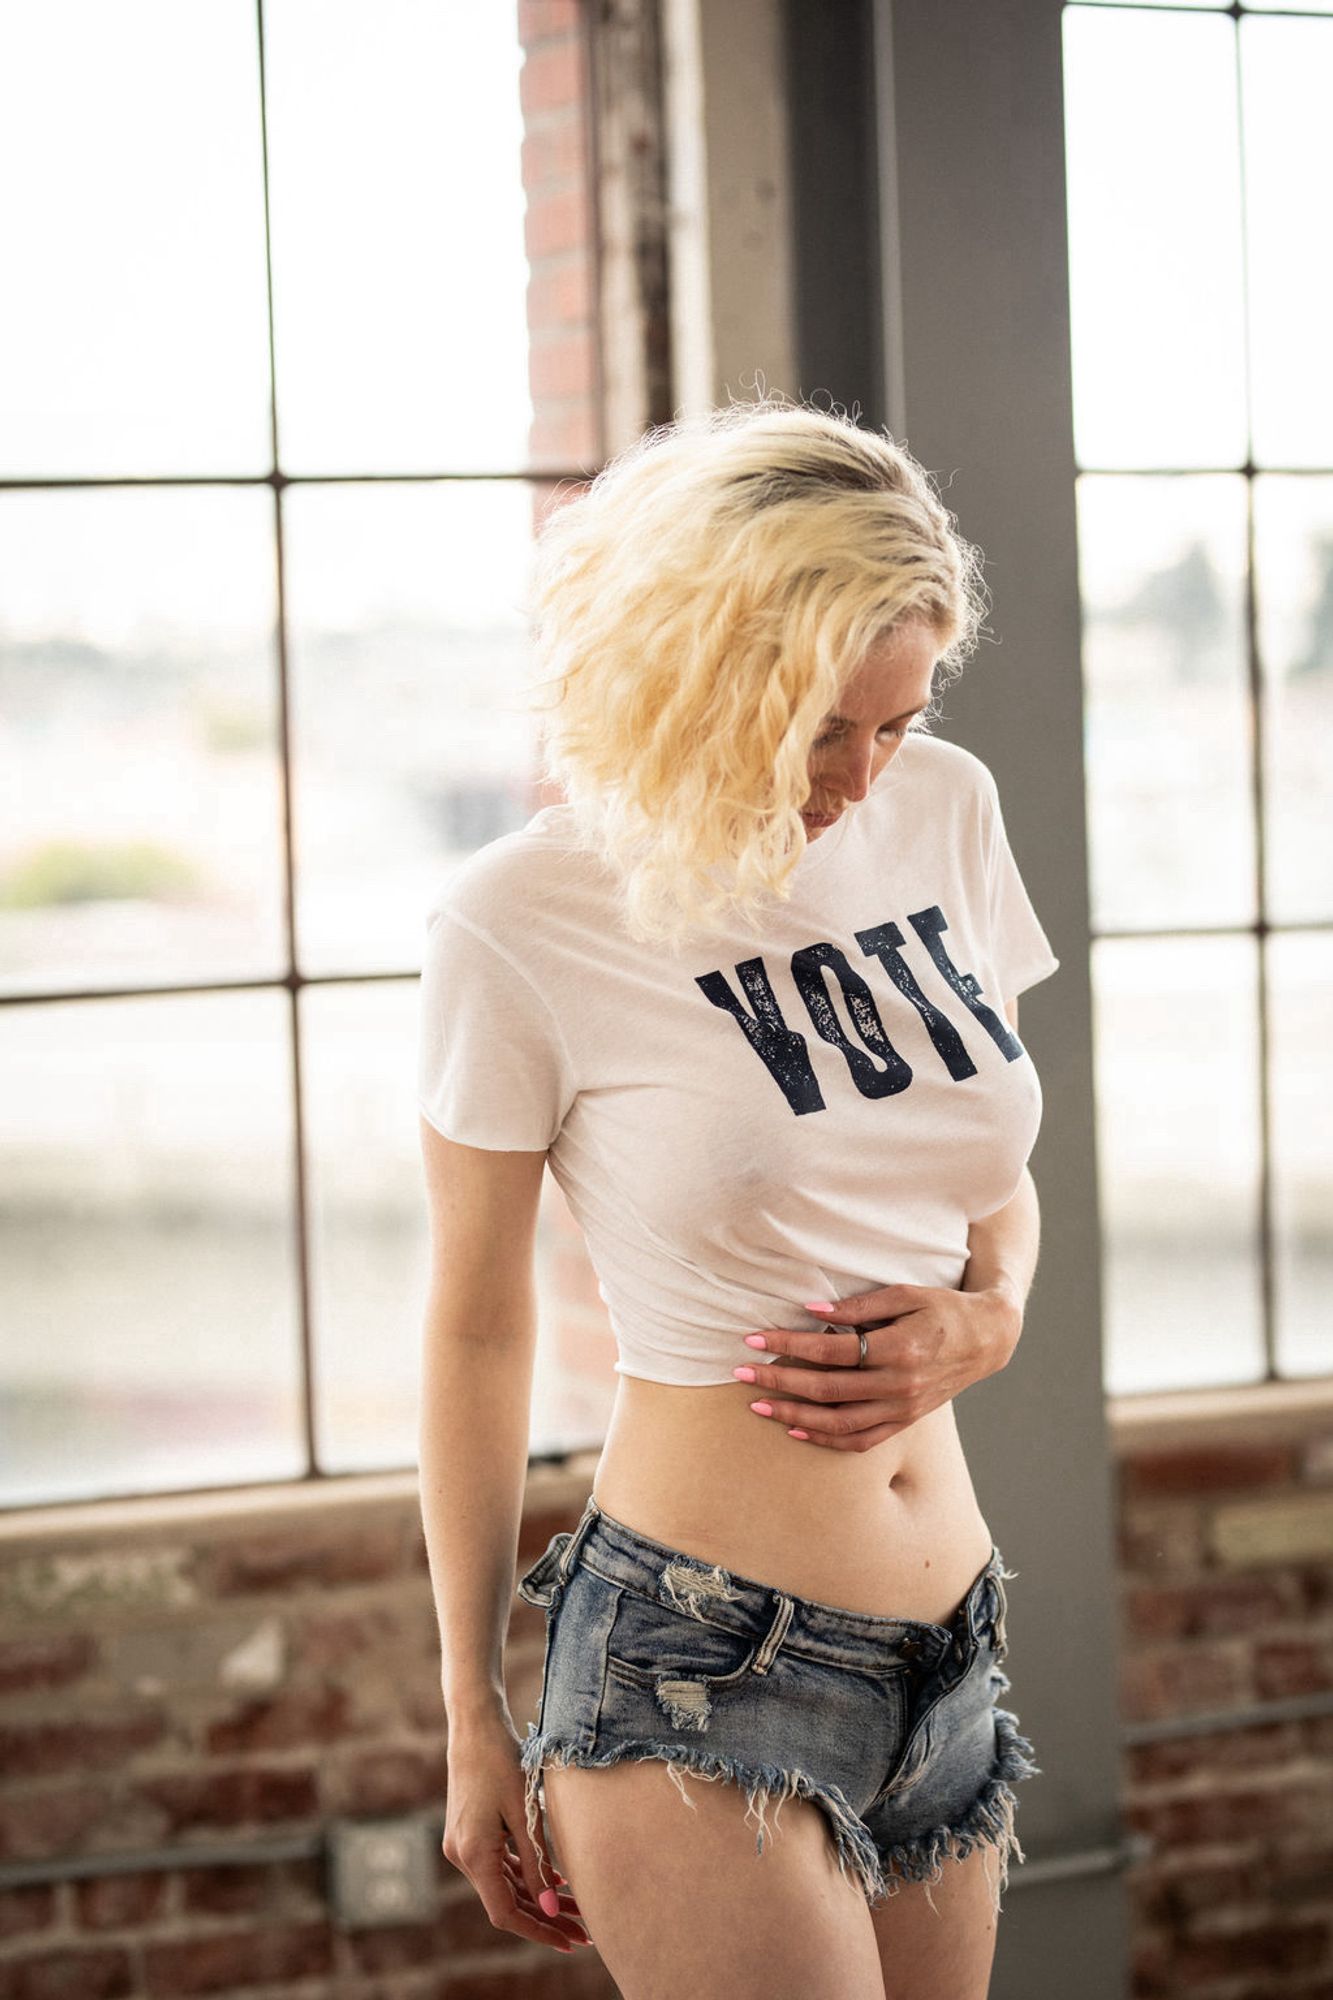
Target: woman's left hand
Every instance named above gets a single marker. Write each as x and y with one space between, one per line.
924 1344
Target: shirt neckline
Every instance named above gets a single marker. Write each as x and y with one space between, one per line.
836 838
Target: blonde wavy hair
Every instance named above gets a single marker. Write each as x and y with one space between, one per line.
700 607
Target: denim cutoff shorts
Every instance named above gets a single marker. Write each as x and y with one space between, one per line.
890 1725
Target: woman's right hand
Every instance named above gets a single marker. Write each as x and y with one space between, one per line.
484 1811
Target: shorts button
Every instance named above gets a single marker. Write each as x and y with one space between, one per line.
909 1648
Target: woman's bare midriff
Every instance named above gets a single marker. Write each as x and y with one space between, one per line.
895 1530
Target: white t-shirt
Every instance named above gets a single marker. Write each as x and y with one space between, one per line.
752 1120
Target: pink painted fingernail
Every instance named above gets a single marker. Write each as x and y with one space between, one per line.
743 1374
798 1434
755 1340
762 1409
550 1902
821 1306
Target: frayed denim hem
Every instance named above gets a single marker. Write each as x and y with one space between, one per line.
856 1850
989 1821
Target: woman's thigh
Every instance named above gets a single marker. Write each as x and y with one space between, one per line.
938 1943
678 1901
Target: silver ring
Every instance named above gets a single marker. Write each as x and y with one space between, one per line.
860 1334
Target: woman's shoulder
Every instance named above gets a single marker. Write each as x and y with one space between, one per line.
944 770
500 886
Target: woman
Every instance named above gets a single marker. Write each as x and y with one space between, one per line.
751 993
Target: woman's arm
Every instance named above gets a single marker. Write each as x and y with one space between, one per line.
478 1347
479 1343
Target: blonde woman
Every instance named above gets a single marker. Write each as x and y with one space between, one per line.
750 992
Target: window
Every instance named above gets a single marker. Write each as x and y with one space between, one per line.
305 341
1199 173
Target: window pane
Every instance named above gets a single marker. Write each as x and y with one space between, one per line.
370 1250
399 269
413 740
139 757
1300 994
1287 87
148 1287
1176 1049
1166 703
1156 285
132 232
1294 584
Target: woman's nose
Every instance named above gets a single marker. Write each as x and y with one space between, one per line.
855 772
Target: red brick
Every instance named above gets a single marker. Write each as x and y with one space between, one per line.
398 1947
1301 1876
1221 1603
1220 1752
243 1890
1220 1817
44 1749
119 1901
1317 1582
560 294
1217 1468
37 1824
217 1963
390 1779
1317 1731
44 1661
1150 1968
1182 1681
538 19
29 1908
535 1531
1173 1901
554 152
103 1974
256 1795
1268 1948
1284 1667
1159 1539
1317 1458
561 365
319 1639
552 75
464 1923
325 1557
556 222
299 1716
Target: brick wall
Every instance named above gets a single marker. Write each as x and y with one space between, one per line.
238 1671
1226 1605
560 239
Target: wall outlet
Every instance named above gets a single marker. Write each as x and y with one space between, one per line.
382 1871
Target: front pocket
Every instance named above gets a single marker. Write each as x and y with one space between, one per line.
649 1643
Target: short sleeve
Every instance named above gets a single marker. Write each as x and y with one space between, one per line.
492 1066
1021 948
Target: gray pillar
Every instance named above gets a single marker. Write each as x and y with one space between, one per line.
973 254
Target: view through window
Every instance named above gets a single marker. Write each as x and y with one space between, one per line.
1200 170
304 348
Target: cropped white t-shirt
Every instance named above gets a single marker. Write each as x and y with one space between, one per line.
749 1122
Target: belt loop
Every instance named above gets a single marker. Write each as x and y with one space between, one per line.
777 1632
577 1539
